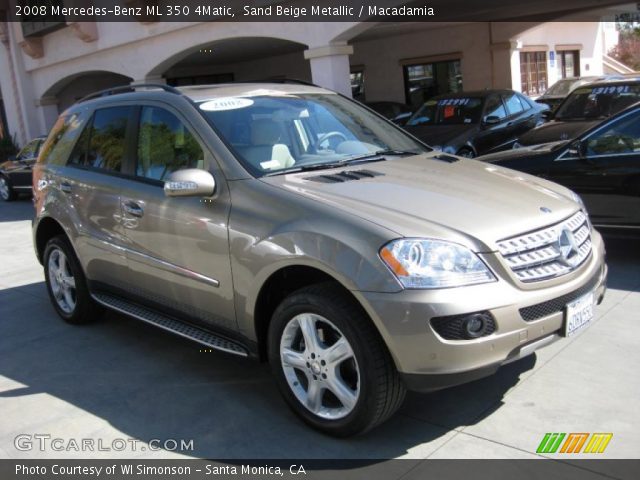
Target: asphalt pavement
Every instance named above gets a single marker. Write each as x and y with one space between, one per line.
120 380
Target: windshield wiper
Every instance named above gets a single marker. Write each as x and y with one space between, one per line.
369 157
324 166
380 153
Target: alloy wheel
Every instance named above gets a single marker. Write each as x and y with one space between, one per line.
4 189
63 284
320 366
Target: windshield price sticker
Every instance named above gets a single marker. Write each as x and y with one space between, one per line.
225 103
612 89
453 101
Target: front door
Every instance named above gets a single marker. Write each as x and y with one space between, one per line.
178 249
493 135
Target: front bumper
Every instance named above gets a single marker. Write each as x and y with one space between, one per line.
428 361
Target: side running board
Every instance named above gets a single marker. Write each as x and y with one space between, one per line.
191 332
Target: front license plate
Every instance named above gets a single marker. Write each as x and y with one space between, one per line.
579 315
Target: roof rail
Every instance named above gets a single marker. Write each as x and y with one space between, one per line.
294 81
128 88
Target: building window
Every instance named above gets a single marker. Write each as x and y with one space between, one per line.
426 80
569 63
533 72
357 85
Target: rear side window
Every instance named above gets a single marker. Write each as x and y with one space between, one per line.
513 104
61 139
165 145
102 144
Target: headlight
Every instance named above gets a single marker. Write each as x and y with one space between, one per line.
423 263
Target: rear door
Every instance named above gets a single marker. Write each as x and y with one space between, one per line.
607 176
92 184
177 248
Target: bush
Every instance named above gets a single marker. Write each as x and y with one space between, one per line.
8 147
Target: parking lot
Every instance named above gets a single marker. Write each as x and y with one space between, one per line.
119 378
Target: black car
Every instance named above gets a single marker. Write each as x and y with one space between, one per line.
602 165
474 123
584 108
560 90
397 112
15 174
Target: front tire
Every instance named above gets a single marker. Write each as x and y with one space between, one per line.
66 283
330 363
466 153
7 193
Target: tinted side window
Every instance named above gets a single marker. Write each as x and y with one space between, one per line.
495 108
61 139
622 137
107 138
513 104
525 103
165 145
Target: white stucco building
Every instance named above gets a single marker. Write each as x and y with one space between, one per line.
43 72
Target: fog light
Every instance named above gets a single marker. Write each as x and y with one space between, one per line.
467 326
474 325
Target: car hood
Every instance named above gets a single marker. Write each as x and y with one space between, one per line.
555 131
467 201
530 151
442 135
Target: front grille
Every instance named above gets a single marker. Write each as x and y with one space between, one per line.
556 305
549 252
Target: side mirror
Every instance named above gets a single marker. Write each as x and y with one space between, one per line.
491 120
191 182
578 149
547 114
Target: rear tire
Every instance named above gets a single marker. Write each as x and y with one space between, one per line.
66 283
330 363
7 193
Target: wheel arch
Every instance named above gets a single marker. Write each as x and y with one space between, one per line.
278 286
46 229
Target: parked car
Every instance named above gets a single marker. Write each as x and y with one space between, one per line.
563 87
397 112
15 174
584 108
291 224
602 165
474 123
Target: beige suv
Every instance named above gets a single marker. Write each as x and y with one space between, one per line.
290 224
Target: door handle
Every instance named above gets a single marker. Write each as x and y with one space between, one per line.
65 187
133 209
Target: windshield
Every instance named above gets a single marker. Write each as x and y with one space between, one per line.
598 102
281 132
448 111
562 87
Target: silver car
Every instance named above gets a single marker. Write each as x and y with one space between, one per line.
290 224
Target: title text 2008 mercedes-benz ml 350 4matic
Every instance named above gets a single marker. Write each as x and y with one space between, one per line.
288 223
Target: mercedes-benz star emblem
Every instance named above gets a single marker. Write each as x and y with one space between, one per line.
567 246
